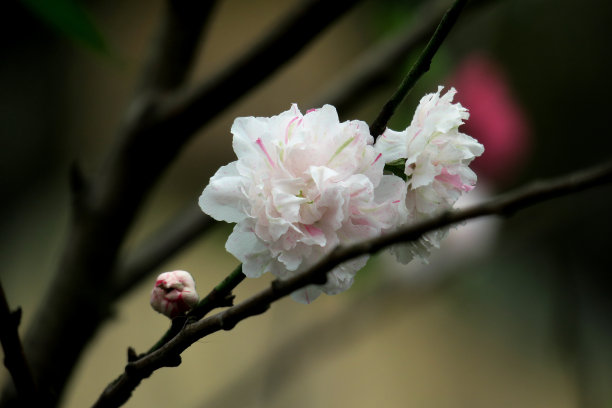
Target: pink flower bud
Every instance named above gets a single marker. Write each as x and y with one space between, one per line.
174 293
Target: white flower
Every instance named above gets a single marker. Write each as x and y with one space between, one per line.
302 184
174 293
436 157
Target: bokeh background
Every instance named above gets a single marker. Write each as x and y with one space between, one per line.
508 313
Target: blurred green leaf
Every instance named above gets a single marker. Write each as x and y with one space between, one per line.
70 19
397 167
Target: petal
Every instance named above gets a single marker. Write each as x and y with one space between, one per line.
250 250
224 198
392 145
306 295
342 277
246 131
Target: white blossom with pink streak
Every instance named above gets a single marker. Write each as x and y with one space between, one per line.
437 157
301 185
174 293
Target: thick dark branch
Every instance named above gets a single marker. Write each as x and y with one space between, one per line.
175 45
103 210
420 67
14 357
118 391
159 247
186 113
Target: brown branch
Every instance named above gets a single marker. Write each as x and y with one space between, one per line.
118 391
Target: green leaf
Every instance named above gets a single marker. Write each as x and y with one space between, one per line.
397 167
70 19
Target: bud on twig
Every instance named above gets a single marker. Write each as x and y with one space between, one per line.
174 293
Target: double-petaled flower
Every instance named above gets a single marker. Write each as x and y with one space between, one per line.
302 184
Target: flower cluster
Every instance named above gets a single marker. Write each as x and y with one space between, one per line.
304 183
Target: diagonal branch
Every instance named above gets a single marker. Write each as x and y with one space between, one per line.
420 67
120 390
187 112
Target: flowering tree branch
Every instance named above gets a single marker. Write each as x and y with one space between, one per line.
507 204
418 69
360 78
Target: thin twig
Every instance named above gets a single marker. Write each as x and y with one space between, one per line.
219 296
376 66
14 357
118 391
420 67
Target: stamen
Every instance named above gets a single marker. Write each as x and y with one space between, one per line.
263 148
337 152
290 127
376 159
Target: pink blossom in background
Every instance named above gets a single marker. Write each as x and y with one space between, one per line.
496 118
174 293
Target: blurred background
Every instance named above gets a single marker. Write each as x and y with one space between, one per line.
508 313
